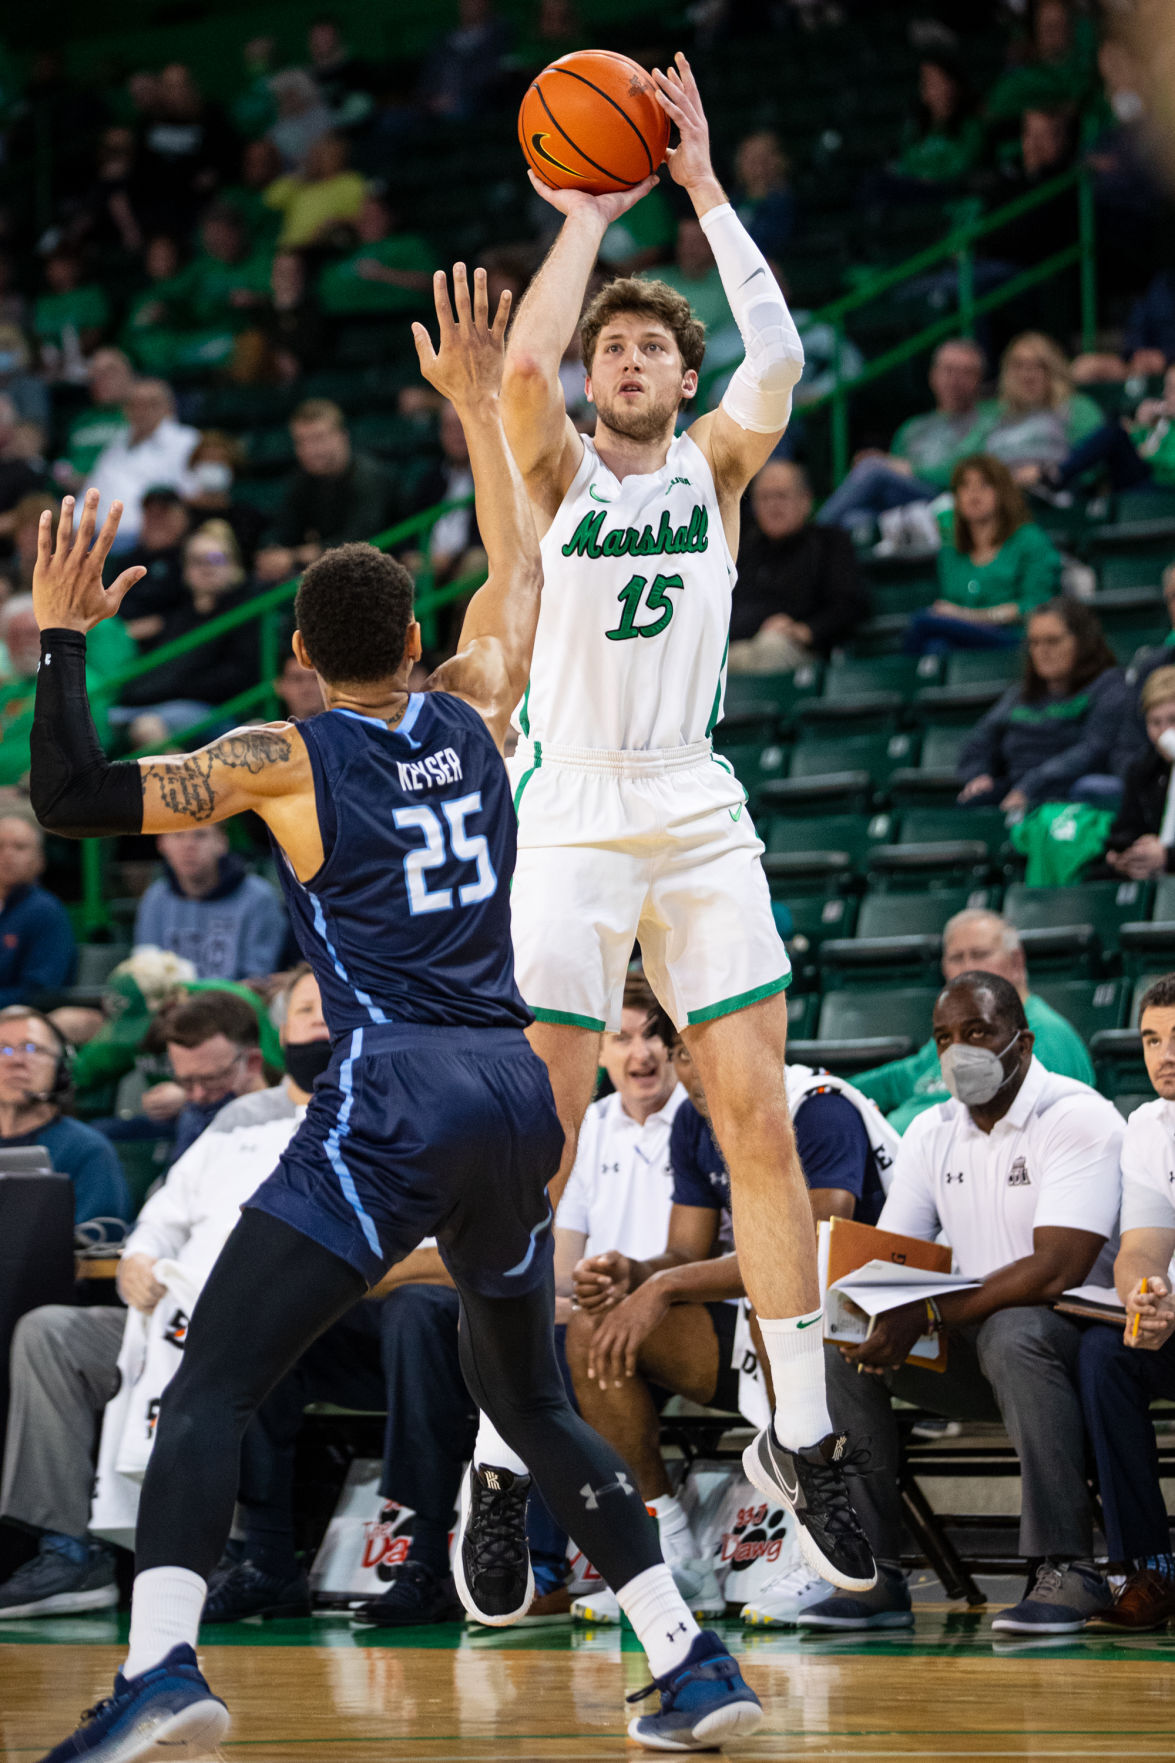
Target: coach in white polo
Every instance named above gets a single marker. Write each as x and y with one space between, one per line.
1020 1172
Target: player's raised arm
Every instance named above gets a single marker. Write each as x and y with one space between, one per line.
542 437
78 792
742 433
492 664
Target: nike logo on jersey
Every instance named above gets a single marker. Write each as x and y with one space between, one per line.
736 814
604 499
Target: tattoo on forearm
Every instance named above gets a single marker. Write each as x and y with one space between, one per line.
185 784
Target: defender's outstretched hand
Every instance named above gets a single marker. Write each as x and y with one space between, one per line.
67 581
677 91
467 362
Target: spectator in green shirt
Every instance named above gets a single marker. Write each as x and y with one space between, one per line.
925 450
1038 415
20 638
980 942
386 273
110 377
993 570
71 313
1059 68
944 140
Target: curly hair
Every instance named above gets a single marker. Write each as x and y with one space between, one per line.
652 299
354 609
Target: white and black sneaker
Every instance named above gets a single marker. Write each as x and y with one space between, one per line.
491 1566
811 1484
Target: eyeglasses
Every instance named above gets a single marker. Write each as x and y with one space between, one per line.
9 1049
209 1080
213 558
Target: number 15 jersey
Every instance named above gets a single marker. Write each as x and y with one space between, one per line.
630 653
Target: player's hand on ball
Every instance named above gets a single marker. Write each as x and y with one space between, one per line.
677 90
605 208
67 580
466 365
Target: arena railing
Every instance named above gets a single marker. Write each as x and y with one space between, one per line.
270 608
958 244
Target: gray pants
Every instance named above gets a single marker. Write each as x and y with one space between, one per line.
1019 1366
64 1371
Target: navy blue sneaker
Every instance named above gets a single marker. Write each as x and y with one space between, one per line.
703 1703
167 1712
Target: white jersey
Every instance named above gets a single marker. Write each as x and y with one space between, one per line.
630 653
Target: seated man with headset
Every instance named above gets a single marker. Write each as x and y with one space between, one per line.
34 1092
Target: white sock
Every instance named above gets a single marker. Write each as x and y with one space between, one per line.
657 1611
677 1539
491 1448
795 1352
165 1613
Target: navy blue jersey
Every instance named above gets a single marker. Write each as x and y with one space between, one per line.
408 919
830 1138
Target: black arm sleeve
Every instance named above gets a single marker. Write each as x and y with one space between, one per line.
73 787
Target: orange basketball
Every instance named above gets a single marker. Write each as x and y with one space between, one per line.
591 121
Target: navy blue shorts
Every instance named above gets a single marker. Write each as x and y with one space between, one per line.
418 1131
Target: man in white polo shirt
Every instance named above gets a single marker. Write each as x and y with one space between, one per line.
1122 1374
1020 1172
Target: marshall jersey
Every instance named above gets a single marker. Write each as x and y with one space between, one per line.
630 653
408 919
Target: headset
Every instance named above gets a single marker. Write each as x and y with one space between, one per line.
62 1084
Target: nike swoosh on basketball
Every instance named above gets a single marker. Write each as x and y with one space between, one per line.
536 142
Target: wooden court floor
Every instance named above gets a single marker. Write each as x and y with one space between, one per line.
320 1692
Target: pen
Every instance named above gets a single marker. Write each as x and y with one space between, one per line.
1138 1313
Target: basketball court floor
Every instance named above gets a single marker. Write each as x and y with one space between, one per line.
323 1692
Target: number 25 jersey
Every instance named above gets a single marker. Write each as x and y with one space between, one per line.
408 919
630 653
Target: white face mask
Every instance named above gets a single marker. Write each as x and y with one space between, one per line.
975 1075
212 476
1166 743
1128 106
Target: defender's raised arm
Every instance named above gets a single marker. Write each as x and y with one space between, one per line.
492 664
75 790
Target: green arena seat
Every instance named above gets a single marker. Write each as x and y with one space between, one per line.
803 1008
818 848
921 914
1103 905
941 748
972 667
817 753
1090 1005
851 676
1118 1061
746 691
922 826
1163 905
1126 1101
873 962
755 764
814 920
855 1014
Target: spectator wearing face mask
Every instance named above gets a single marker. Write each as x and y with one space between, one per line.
215 463
1141 842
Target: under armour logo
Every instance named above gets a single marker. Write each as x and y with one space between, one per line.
592 1496
609 1169
949 1178
680 1629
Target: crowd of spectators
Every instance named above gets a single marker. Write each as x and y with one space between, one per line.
201 244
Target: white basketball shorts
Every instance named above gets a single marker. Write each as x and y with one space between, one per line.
658 846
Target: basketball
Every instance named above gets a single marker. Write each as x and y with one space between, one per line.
591 121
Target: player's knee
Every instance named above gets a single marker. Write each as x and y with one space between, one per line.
580 1330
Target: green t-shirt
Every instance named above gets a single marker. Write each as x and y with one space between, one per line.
905 1087
109 648
649 226
705 294
935 443
83 308
204 290
1156 444
941 159
1026 568
90 431
344 290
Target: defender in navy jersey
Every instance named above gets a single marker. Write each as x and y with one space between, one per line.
393 823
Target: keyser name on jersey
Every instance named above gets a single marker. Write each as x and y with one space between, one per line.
436 768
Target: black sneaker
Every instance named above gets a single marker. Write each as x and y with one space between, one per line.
54 1584
492 1564
811 1484
249 1591
416 1595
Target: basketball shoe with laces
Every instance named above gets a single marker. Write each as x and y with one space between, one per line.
811 1484
167 1712
492 1567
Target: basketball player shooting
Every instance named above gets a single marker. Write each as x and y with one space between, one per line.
394 831
629 824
